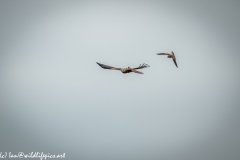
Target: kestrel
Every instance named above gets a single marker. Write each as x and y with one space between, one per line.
125 70
170 56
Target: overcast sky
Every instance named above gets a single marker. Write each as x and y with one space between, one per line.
55 99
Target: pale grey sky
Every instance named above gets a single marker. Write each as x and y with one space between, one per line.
56 99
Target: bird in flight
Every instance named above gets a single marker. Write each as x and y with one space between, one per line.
125 70
170 56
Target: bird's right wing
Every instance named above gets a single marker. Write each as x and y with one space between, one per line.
174 60
107 67
141 66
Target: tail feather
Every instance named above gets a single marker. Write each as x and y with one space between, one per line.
135 71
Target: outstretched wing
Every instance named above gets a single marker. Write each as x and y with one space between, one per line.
107 67
142 66
174 60
163 54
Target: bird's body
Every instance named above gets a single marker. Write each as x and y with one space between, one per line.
124 70
170 55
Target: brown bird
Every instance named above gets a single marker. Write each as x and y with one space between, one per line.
125 70
170 56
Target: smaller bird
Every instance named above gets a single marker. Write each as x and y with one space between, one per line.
170 56
125 70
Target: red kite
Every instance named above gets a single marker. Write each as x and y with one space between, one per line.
125 70
170 56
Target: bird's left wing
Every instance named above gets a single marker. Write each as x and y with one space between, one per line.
107 67
163 54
